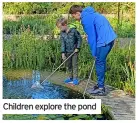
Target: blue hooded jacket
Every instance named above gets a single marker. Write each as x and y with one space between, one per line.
97 28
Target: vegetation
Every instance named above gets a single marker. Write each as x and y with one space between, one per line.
53 117
117 14
63 7
105 115
45 25
25 51
41 25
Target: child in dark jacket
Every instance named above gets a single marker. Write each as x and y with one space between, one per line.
70 42
101 38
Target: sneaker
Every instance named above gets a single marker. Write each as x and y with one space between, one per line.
92 89
75 81
99 92
68 80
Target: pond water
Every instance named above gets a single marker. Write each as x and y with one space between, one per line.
21 89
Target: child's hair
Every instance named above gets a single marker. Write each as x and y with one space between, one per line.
75 8
61 21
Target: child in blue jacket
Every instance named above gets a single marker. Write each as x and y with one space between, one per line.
101 38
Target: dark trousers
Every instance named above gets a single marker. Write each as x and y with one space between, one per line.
72 65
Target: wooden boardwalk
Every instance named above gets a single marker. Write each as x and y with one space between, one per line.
122 106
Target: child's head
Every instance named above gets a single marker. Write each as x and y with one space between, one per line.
75 11
62 24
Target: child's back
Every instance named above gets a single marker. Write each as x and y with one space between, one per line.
70 40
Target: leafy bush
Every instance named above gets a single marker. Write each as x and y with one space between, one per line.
47 25
124 29
25 51
38 24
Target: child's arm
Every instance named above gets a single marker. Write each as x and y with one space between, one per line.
62 47
62 44
79 39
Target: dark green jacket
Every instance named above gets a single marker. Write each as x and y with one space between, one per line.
70 41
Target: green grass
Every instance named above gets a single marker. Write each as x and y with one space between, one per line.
46 25
124 29
25 51
121 69
37 24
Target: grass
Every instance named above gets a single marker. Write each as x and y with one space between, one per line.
46 25
121 69
25 51
124 29
40 25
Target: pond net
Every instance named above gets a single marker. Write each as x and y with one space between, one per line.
21 89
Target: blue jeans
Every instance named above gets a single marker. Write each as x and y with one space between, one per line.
100 63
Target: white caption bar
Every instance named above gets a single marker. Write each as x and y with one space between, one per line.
51 106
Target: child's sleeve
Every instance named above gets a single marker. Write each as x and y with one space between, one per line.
62 44
89 28
79 39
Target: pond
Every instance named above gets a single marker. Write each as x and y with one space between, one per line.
21 89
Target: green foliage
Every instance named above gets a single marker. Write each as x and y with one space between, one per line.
25 51
121 69
52 117
46 25
37 24
26 7
19 117
124 29
63 7
10 27
123 23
